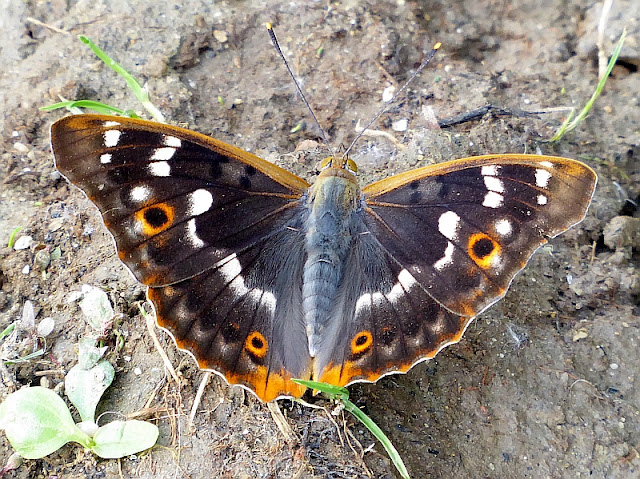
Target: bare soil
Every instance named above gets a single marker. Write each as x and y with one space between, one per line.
545 384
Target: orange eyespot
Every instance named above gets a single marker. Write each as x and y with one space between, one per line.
361 342
155 218
256 345
483 250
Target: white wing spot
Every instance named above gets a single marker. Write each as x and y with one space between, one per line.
159 168
230 272
494 184
377 298
448 225
503 227
396 292
140 193
363 302
231 268
163 154
489 170
193 234
437 327
542 200
547 164
542 178
111 138
493 200
200 201
367 300
406 279
447 259
269 300
109 124
405 283
105 158
172 141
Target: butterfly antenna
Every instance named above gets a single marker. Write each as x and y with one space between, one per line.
274 40
424 63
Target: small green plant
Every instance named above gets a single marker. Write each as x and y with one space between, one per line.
37 421
342 395
13 236
573 121
140 92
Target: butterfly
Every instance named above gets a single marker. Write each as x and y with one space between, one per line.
264 278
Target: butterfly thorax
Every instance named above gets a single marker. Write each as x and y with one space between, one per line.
334 206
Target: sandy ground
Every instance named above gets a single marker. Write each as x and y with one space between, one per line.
545 384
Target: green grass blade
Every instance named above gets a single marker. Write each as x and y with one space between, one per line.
571 123
93 105
337 392
140 92
13 236
28 357
8 330
381 436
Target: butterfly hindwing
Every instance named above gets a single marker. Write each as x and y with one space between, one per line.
389 322
464 228
243 317
174 200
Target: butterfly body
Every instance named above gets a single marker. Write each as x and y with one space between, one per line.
334 218
264 278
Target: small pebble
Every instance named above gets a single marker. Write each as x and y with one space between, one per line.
41 260
20 147
400 125
220 35
387 93
24 242
45 327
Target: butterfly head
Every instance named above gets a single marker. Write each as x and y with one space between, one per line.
342 163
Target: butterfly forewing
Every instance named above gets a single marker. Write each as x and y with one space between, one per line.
463 229
175 201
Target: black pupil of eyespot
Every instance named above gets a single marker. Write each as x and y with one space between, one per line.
257 343
155 217
361 340
483 247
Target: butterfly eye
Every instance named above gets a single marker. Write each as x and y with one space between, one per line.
351 165
326 163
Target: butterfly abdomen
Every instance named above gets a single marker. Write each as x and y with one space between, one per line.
333 202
